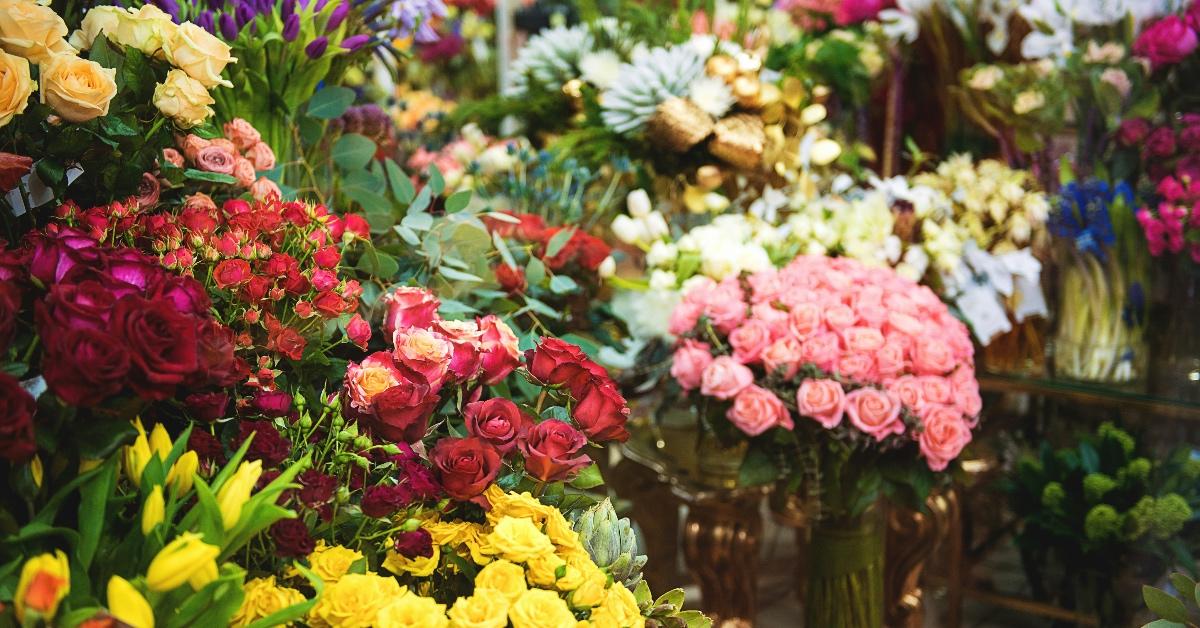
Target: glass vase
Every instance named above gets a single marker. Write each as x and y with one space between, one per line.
1021 351
845 573
1176 360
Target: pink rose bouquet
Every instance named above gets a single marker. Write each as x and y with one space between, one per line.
862 364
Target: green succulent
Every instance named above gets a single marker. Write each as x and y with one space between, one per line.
1102 522
1096 485
611 542
650 79
667 610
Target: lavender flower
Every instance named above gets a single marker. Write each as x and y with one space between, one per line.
414 17
205 20
229 27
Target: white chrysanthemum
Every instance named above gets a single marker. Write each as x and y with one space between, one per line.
653 77
712 95
601 68
550 58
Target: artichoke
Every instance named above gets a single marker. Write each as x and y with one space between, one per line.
611 543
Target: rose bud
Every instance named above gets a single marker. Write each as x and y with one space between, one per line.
499 353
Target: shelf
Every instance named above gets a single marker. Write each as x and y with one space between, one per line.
1093 394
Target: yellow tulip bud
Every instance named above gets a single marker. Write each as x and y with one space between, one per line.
236 491
87 464
45 581
153 510
183 472
127 604
176 563
201 577
36 470
160 442
137 455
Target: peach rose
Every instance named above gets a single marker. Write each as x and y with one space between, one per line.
724 378
862 339
199 53
172 156
213 158
191 146
241 133
856 366
374 375
804 321
224 143
822 400
689 362
243 171
261 155
889 360
756 410
783 356
33 31
750 340
424 351
822 350
77 89
874 412
908 390
944 436
15 86
932 356
199 202
265 189
936 389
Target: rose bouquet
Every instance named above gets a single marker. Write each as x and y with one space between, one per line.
219 167
101 122
850 382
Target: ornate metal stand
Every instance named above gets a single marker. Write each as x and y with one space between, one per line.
720 543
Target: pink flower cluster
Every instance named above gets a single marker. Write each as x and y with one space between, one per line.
241 154
853 342
1169 40
1177 213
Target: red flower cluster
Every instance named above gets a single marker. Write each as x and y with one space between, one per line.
600 410
583 250
112 320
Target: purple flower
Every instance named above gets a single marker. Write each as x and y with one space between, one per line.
244 13
170 7
355 42
229 27
205 21
337 17
316 47
287 9
291 27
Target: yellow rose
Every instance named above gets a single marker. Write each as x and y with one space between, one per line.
518 540
97 21
354 601
502 577
518 505
77 89
542 570
449 533
183 99
15 86
419 566
200 54
560 532
475 544
144 29
592 591
33 31
263 597
619 610
332 562
537 608
484 609
413 611
45 580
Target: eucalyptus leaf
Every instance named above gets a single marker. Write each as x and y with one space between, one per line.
331 102
1164 605
353 151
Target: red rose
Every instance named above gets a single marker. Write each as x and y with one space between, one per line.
358 225
85 366
255 289
162 344
497 421
12 168
499 353
592 251
73 306
327 257
550 447
231 272
217 364
272 403
556 361
401 413
287 342
186 293
329 305
280 264
601 412
415 544
466 466
17 408
10 307
510 278
208 406
358 330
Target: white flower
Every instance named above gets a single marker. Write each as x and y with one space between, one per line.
629 230
824 151
662 280
607 268
638 203
715 202
766 207
496 159
1118 79
704 45
1109 53
985 78
753 258
1028 101
712 95
899 25
601 68
661 254
655 226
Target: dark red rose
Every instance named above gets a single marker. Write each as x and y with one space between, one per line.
415 544
510 278
329 305
1132 132
292 539
555 361
602 412
10 308
327 257
74 306
1160 143
401 413
162 344
381 500
84 366
206 446
316 488
13 263
188 295
466 466
207 406
17 408
272 403
550 449
419 478
216 362
12 168
497 421
53 255
231 272
358 331
268 445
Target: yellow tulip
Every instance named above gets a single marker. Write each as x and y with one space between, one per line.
160 442
183 472
36 470
127 604
236 491
182 558
153 510
206 574
45 581
137 455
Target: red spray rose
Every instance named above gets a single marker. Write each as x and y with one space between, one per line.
316 488
358 331
268 444
10 307
510 278
466 466
272 403
550 447
497 421
602 412
207 406
231 272
17 408
12 168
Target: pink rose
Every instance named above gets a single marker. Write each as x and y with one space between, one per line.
771 315
944 436
874 412
684 318
261 156
265 189
932 356
689 362
213 158
823 400
243 171
366 380
966 398
172 156
872 314
242 133
424 351
1166 42
464 337
856 366
499 353
750 340
936 389
909 391
756 410
408 307
822 350
358 331
905 324
889 360
839 316
191 146
724 378
862 339
783 357
726 314
805 321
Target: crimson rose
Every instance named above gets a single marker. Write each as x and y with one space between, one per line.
17 408
162 342
550 447
498 421
556 361
466 466
601 412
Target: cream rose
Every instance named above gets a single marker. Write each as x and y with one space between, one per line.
97 21
78 90
30 30
199 53
145 29
15 86
184 100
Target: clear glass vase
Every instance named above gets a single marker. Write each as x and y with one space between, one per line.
845 572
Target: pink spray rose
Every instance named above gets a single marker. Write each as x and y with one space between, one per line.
823 400
875 412
724 378
499 353
367 379
408 307
424 351
689 362
756 410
